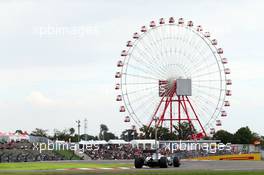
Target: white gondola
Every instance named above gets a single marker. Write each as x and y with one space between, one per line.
180 21
143 29
226 103
199 28
227 71
224 60
124 53
129 44
152 24
207 34
122 109
228 93
127 119
228 82
220 51
212 131
190 23
223 114
171 20
119 63
117 86
118 98
218 123
162 21
214 42
135 35
118 75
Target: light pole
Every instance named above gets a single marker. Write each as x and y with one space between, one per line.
85 129
156 137
78 125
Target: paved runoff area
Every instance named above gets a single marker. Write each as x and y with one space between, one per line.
195 165
191 165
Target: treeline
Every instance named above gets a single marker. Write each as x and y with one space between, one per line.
242 136
71 135
182 132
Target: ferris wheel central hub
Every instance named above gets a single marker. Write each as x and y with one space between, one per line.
175 87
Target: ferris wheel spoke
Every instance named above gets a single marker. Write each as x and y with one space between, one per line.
138 90
204 110
141 76
156 47
201 111
148 104
148 72
197 62
141 97
153 43
206 101
143 104
210 95
208 87
212 80
201 62
202 68
198 49
205 74
127 84
151 66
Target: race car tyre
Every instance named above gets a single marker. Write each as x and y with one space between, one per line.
139 162
176 162
163 162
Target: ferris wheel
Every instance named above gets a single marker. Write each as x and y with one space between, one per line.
174 72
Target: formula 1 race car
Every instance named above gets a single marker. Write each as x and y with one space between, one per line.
156 160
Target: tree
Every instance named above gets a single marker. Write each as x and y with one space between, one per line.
162 133
89 137
39 132
72 131
104 134
243 136
183 131
224 136
146 132
103 130
129 134
109 135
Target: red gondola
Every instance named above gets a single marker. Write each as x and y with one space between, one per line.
122 109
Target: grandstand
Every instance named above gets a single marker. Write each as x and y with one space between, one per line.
16 147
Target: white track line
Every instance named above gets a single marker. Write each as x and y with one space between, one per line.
85 168
124 168
72 169
106 168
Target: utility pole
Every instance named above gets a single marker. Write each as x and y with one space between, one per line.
85 129
78 125
156 137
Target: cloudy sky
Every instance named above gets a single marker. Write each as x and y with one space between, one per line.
58 58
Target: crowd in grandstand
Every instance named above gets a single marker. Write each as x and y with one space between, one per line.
22 151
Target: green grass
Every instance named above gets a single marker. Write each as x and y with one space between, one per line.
55 165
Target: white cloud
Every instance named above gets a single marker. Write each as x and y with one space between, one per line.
40 100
